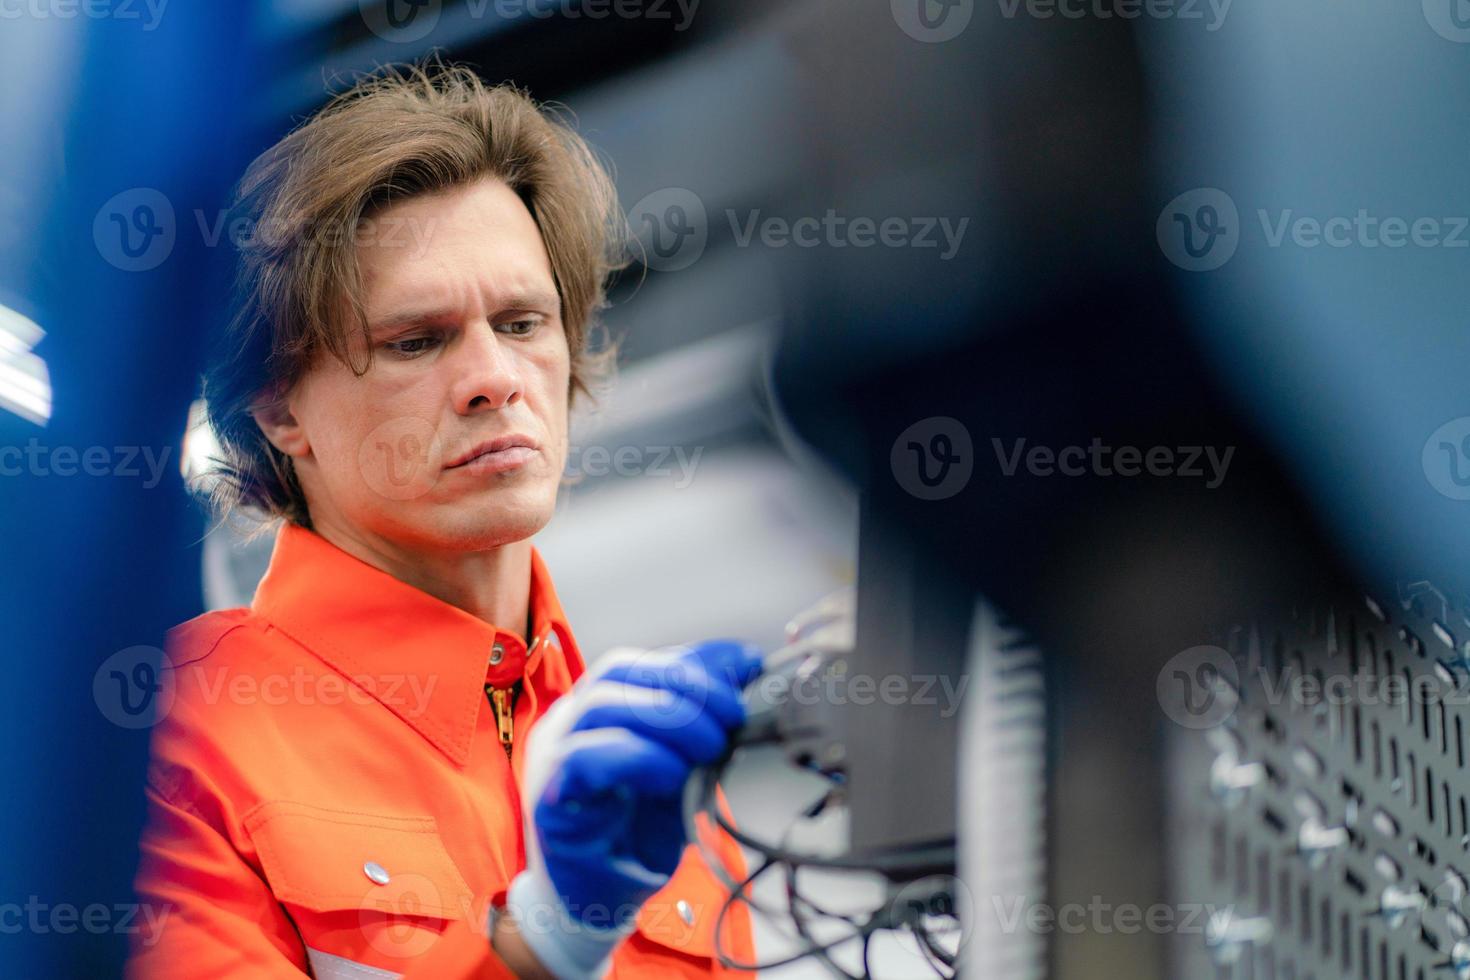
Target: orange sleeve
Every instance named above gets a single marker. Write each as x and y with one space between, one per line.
204 912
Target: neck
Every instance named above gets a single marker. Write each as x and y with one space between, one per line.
493 585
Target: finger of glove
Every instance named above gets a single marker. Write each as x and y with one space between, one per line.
614 760
687 679
734 662
670 719
702 674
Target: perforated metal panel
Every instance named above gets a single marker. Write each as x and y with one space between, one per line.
1326 818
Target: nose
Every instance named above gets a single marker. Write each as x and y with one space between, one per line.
487 373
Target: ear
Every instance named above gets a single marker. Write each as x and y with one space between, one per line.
272 412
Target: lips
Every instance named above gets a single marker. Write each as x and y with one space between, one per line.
488 447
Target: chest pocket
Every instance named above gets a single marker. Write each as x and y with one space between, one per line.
373 889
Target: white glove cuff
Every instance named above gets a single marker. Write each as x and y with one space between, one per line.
569 948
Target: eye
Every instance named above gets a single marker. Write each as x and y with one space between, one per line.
520 328
412 346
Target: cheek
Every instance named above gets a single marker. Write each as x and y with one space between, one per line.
400 458
398 450
367 439
553 370
332 416
555 418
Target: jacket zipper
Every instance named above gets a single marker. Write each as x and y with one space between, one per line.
503 701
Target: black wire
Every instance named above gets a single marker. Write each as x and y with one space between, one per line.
931 948
939 951
774 855
794 896
818 910
738 894
929 955
876 862
794 900
735 896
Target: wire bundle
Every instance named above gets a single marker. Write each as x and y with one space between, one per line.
908 908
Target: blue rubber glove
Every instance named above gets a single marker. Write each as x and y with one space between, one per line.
603 793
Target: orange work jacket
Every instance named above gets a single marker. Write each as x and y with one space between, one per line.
332 789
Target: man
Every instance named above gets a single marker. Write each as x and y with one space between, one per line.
343 784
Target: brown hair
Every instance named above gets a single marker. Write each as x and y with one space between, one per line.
399 132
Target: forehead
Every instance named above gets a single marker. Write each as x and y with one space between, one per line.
475 243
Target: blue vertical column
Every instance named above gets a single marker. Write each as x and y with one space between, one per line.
124 133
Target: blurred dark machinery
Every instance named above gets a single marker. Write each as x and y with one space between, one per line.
1055 325
1061 323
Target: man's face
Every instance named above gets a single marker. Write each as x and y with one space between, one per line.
468 348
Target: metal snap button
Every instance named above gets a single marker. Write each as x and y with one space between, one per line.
376 873
497 654
685 912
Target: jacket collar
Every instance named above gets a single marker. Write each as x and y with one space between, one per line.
426 661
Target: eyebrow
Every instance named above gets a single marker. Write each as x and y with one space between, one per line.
410 317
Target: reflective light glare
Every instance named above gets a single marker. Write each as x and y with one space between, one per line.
25 383
201 445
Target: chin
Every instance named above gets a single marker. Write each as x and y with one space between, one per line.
479 526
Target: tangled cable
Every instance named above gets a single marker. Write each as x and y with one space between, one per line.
916 902
814 639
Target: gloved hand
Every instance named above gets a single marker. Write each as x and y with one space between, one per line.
603 793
